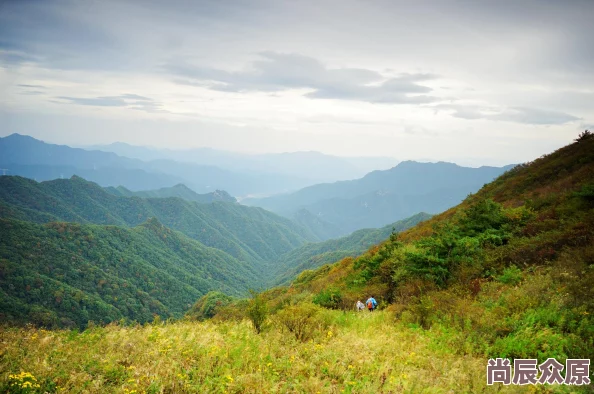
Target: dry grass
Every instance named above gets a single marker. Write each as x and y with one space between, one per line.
359 353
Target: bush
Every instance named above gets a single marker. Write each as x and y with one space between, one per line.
482 216
584 136
330 298
586 192
423 311
511 275
533 343
302 320
257 311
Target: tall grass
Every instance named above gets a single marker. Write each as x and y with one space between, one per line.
358 353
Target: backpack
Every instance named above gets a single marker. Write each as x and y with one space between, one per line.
369 305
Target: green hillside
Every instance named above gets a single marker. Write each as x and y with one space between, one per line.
507 273
314 255
246 233
179 190
66 274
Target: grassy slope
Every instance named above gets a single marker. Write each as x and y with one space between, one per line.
516 280
357 354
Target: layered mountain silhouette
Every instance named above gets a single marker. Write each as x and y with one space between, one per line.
316 166
382 197
31 158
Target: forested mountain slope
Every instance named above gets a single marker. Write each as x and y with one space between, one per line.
530 216
249 234
65 274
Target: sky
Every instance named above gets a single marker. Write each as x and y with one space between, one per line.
476 83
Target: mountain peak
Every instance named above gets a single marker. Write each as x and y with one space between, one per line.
16 137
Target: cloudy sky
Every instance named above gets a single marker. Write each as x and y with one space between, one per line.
481 82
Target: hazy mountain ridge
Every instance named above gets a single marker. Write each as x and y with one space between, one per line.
306 165
381 197
26 156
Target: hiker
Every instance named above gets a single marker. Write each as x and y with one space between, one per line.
371 304
360 306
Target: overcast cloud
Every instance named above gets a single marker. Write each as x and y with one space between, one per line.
472 82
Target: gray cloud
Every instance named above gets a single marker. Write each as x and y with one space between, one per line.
12 58
32 92
522 115
131 101
280 71
97 101
524 58
31 86
534 116
135 97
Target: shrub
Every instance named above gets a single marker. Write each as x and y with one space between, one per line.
330 298
511 275
586 192
423 310
257 311
302 320
484 215
584 136
533 343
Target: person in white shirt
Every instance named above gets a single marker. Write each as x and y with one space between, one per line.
360 306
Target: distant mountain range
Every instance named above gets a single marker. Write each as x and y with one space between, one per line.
314 166
328 210
382 197
31 158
